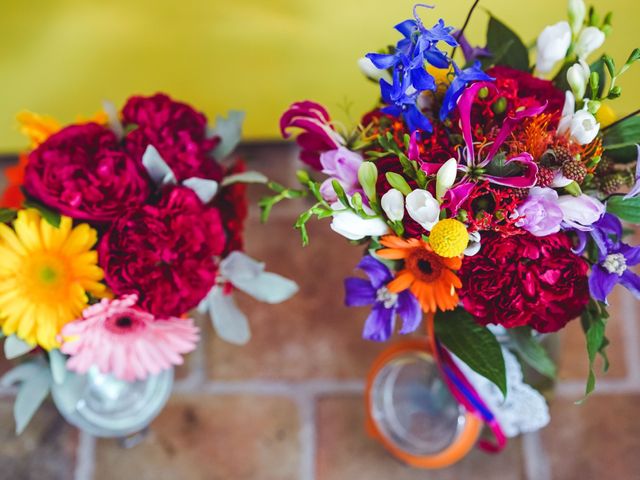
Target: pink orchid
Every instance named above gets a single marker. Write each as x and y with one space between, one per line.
318 135
473 165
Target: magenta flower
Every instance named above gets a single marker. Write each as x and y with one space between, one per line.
341 165
121 339
318 135
474 165
540 214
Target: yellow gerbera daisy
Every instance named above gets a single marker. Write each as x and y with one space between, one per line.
45 275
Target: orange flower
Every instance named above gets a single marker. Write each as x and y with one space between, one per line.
13 196
428 276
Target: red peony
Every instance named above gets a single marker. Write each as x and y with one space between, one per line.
164 253
81 172
232 203
525 280
178 132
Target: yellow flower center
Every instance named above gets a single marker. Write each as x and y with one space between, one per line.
449 238
47 276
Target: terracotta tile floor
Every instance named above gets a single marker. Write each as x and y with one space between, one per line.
289 404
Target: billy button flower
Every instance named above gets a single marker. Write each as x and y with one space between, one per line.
428 276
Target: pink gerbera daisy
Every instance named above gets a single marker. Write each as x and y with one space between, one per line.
124 340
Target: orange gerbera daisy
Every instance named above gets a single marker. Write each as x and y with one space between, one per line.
429 276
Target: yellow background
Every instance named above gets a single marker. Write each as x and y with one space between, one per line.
62 57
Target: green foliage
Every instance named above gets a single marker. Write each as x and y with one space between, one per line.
531 351
626 209
266 204
505 45
594 321
474 344
7 215
620 139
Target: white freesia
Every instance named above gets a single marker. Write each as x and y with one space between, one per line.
568 110
446 177
577 12
371 71
474 244
580 212
354 227
578 78
392 204
590 39
552 46
423 208
584 127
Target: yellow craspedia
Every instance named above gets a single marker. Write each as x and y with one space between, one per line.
605 115
449 238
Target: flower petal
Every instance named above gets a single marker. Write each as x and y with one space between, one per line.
601 283
358 292
409 311
379 324
377 271
632 282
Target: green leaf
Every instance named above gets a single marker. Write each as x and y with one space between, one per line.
500 168
516 55
623 134
595 339
35 381
342 196
53 218
7 215
598 67
532 352
628 209
474 344
15 347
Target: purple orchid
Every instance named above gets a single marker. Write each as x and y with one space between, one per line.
471 54
474 166
614 259
318 135
380 324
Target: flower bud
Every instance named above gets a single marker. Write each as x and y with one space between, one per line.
590 39
371 71
446 177
392 204
583 128
423 208
367 176
577 12
552 46
499 106
578 78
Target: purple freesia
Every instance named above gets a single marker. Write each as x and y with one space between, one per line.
471 54
361 292
540 213
614 259
581 212
342 165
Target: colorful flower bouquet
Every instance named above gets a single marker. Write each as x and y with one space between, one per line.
112 230
488 196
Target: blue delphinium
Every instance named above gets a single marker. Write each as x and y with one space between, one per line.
460 81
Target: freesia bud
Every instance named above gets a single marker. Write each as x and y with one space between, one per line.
352 226
445 177
590 39
392 204
577 12
371 71
423 208
552 46
567 112
584 127
578 78
367 176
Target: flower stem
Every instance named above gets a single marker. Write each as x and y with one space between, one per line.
464 26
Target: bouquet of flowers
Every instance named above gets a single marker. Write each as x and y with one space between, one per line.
112 230
488 194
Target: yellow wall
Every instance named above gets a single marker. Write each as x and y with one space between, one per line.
62 57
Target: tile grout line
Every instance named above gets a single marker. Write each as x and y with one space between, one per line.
85 457
536 459
307 435
631 337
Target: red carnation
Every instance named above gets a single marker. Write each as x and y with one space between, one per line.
232 203
176 130
164 253
81 172
525 280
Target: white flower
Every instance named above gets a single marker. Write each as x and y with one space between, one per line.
577 12
474 244
352 226
392 203
423 208
568 110
552 46
445 177
578 78
580 212
584 127
590 39
371 71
